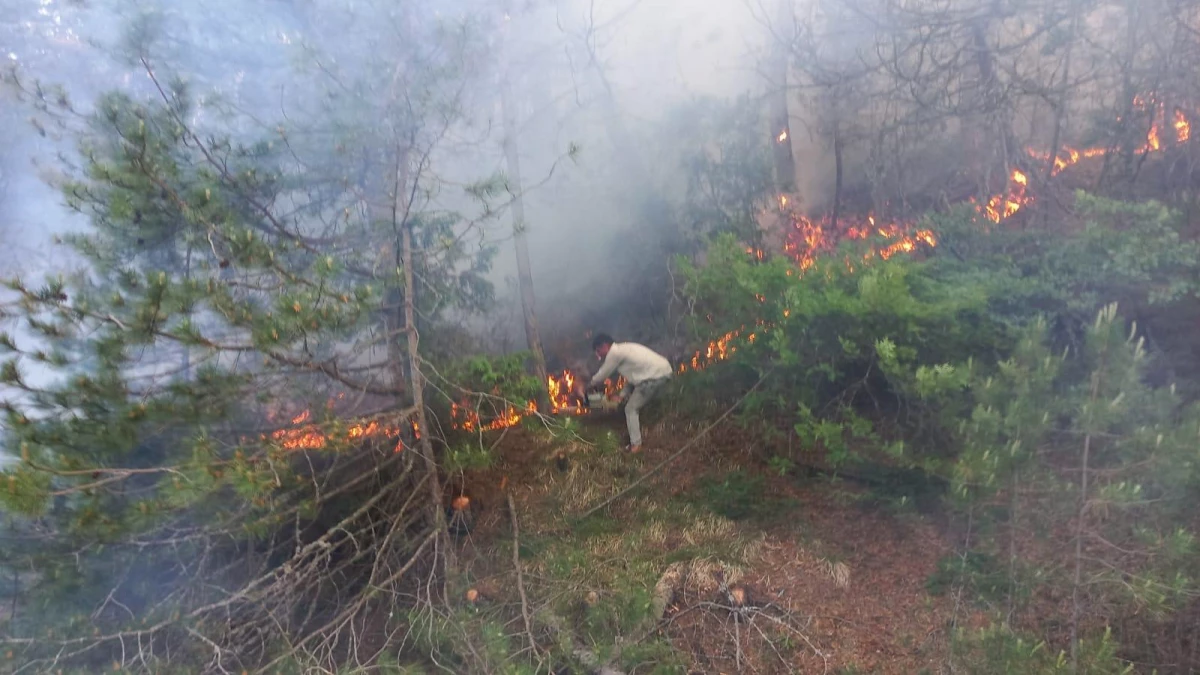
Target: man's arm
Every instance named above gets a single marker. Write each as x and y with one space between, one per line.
611 361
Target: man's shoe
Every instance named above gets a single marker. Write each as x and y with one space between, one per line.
633 449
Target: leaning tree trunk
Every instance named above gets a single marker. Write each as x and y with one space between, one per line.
383 204
416 381
401 203
524 269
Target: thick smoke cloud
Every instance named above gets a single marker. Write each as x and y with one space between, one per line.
604 77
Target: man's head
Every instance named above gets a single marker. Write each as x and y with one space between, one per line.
601 344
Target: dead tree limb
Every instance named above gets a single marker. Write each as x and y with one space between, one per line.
516 558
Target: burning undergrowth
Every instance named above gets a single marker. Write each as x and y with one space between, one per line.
334 425
565 393
804 240
807 238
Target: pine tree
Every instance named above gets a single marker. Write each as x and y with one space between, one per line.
219 508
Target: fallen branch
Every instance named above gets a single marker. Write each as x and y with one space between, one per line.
737 641
678 452
752 612
516 558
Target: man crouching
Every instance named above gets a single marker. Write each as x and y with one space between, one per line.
645 372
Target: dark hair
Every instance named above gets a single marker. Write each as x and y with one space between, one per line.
600 340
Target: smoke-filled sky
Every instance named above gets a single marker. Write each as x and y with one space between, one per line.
654 54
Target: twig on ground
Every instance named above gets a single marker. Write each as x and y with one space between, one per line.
516 558
751 612
737 640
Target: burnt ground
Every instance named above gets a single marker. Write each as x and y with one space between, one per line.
806 575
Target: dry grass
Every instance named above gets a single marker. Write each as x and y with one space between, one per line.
659 568
838 571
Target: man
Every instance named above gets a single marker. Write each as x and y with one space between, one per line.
645 372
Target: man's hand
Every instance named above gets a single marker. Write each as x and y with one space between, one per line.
622 398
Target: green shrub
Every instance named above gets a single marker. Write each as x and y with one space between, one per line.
739 495
996 650
999 368
505 377
982 573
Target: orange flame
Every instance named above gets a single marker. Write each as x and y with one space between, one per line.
309 436
807 238
1006 205
564 394
1180 123
716 350
1183 127
564 391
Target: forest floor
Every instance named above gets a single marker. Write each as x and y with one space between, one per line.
752 571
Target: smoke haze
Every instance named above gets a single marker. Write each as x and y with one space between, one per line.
585 74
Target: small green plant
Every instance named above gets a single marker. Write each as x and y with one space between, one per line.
982 573
466 641
608 443
505 377
658 655
781 465
996 650
621 611
832 436
739 495
468 457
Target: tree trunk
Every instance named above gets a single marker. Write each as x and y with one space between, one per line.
1060 106
524 269
838 173
394 327
976 126
379 199
401 194
187 349
781 142
1077 577
417 384
1013 506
